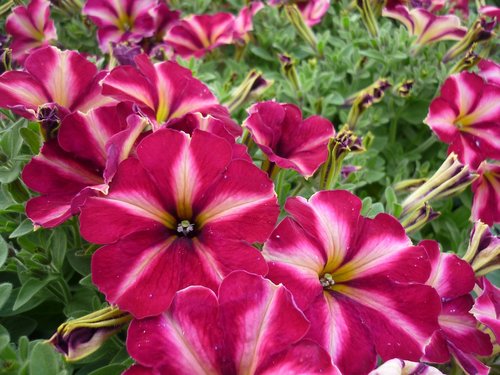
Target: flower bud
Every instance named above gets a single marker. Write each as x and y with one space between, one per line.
469 60
451 178
480 31
409 185
78 338
368 16
297 20
404 88
418 218
252 87
288 69
364 99
483 253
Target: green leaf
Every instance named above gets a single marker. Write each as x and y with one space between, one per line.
32 139
43 360
4 251
5 290
113 369
28 290
4 338
25 227
58 246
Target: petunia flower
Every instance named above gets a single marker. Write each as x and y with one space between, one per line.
250 327
466 116
64 79
72 166
164 91
288 140
453 279
120 20
425 26
243 23
490 71
399 367
182 213
490 11
486 189
359 281
30 27
312 10
196 35
487 306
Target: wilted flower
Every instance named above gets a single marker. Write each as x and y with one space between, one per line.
399 367
483 253
288 140
181 213
51 76
358 280
469 60
78 338
425 26
31 28
404 87
164 91
486 189
120 20
467 116
364 99
267 338
453 279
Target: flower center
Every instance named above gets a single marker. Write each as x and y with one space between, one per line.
326 280
186 228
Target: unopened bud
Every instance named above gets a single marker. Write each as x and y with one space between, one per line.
289 70
297 20
483 253
418 218
251 88
368 16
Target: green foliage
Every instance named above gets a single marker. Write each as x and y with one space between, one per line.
45 274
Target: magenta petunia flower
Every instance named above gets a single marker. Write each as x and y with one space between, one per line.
182 213
74 165
467 116
251 327
196 35
487 306
490 11
490 71
399 367
288 140
427 27
30 27
165 91
64 79
121 20
358 280
243 23
312 10
453 279
486 189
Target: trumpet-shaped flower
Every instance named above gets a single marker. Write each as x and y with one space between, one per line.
251 327
121 20
466 115
453 279
486 189
182 213
72 166
425 26
288 140
30 27
196 35
359 281
164 91
52 77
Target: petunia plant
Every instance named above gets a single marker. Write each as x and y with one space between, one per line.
249 187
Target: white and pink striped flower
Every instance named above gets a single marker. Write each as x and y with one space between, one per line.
31 28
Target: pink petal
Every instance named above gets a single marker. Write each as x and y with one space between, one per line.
50 210
490 70
186 339
133 204
241 203
267 320
23 91
441 119
451 276
314 10
487 307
